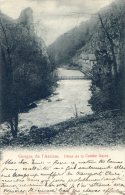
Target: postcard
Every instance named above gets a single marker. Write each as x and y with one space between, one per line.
62 97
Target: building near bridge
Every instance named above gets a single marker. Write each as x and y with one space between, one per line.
85 62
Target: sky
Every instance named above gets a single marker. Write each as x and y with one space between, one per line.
54 17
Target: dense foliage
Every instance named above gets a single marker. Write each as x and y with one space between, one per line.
108 72
26 72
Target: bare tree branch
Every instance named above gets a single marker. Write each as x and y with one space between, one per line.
111 46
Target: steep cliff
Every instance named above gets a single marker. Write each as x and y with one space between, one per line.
66 46
81 40
97 48
73 42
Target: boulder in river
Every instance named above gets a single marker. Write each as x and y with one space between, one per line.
49 100
58 100
32 105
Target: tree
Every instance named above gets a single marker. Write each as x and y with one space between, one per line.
112 45
122 63
10 110
107 80
28 75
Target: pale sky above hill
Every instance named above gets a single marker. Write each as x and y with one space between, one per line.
54 17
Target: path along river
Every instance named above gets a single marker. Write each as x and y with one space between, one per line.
71 96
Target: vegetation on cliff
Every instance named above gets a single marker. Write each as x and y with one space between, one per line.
26 72
104 37
108 71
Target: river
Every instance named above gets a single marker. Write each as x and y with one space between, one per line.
70 98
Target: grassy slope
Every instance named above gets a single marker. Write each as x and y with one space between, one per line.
105 129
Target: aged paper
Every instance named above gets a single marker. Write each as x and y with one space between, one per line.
79 171
62 97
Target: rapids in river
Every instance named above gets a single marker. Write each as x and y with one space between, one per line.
70 99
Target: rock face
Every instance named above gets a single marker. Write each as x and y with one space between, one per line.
26 19
26 16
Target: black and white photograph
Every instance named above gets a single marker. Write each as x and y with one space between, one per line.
62 73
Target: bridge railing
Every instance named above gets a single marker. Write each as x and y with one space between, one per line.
71 77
